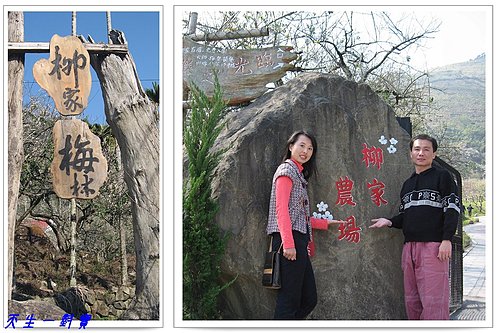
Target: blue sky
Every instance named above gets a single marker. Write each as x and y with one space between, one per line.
141 29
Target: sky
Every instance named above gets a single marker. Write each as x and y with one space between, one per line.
465 32
141 28
461 37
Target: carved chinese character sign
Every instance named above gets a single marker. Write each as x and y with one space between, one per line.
242 74
79 167
66 74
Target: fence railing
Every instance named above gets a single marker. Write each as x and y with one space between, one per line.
456 261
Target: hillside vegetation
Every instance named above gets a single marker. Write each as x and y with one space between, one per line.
459 114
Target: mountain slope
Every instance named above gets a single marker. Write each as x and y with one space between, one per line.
459 99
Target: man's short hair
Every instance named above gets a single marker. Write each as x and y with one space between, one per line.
425 137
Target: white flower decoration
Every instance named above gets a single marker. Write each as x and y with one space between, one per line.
322 206
382 140
393 141
328 215
391 149
316 215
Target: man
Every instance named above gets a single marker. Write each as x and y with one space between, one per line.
428 215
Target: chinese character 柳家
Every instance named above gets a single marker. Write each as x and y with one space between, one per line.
372 156
66 65
377 188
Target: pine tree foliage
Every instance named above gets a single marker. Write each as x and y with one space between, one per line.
203 241
154 93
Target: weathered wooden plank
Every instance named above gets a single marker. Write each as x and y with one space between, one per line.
66 74
243 74
15 136
79 167
43 47
221 35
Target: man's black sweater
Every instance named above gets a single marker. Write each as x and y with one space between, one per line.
430 207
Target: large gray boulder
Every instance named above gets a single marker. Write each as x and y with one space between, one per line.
355 281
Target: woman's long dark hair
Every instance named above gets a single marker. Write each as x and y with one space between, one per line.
309 166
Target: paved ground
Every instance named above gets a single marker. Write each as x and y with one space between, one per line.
474 268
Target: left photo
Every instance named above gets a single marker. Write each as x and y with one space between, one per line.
82 242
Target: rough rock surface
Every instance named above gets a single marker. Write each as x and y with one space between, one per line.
355 281
41 309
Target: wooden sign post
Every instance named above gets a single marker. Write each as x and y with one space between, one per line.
66 74
243 74
79 167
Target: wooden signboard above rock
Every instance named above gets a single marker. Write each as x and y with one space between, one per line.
243 74
66 74
79 168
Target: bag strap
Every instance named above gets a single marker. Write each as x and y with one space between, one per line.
271 245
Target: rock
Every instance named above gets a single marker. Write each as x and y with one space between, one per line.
355 281
127 291
124 293
109 298
44 285
102 309
100 295
71 300
41 309
90 297
120 305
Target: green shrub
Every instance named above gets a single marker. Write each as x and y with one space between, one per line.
203 241
465 240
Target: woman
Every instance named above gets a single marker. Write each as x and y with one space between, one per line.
290 225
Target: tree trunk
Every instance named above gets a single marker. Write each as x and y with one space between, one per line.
15 135
121 225
132 118
72 246
123 252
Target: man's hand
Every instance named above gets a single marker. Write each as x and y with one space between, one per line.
380 223
444 250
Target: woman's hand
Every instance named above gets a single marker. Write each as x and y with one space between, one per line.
330 222
290 254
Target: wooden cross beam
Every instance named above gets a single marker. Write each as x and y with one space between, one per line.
43 47
212 37
251 33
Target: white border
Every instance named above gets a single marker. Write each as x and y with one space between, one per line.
85 7
178 319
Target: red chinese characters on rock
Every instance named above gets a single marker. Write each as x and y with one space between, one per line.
372 156
377 188
344 189
349 231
